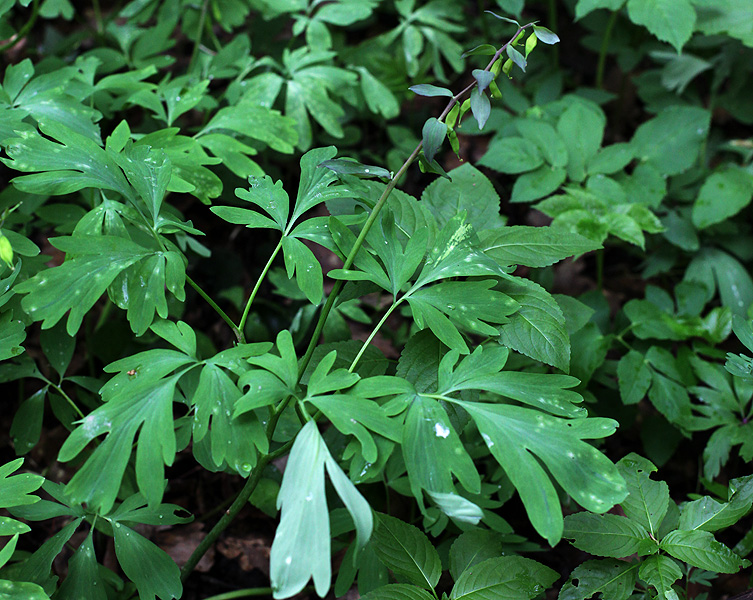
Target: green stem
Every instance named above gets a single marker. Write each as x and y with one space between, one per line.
199 31
24 30
217 309
600 269
242 324
553 26
603 50
373 333
67 398
251 592
98 16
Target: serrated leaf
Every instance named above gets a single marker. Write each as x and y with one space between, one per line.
537 329
472 547
534 246
608 535
613 579
398 591
633 377
661 572
671 21
503 577
700 549
406 551
647 500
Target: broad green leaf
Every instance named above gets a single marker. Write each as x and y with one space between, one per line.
633 377
545 35
149 567
722 195
670 142
537 184
482 50
83 580
647 500
503 577
406 551
581 127
661 572
515 434
379 98
671 21
537 329
708 514
534 246
420 359
512 155
299 259
483 78
398 591
583 7
433 133
472 547
516 57
611 159
614 579
256 122
549 142
670 399
608 535
700 549
468 191
12 335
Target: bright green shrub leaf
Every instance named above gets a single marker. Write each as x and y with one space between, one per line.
670 399
537 329
153 571
647 500
722 195
546 138
700 549
671 21
514 434
379 98
517 57
457 507
537 184
433 451
83 580
398 591
583 7
670 142
608 535
256 122
545 35
534 246
581 127
614 579
469 191
12 335
503 577
633 377
512 155
472 547
709 514
661 572
406 551
611 159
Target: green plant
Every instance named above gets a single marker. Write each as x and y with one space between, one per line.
405 331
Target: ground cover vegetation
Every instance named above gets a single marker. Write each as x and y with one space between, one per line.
401 298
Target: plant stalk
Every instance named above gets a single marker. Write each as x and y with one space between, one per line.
242 325
603 50
21 34
217 309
